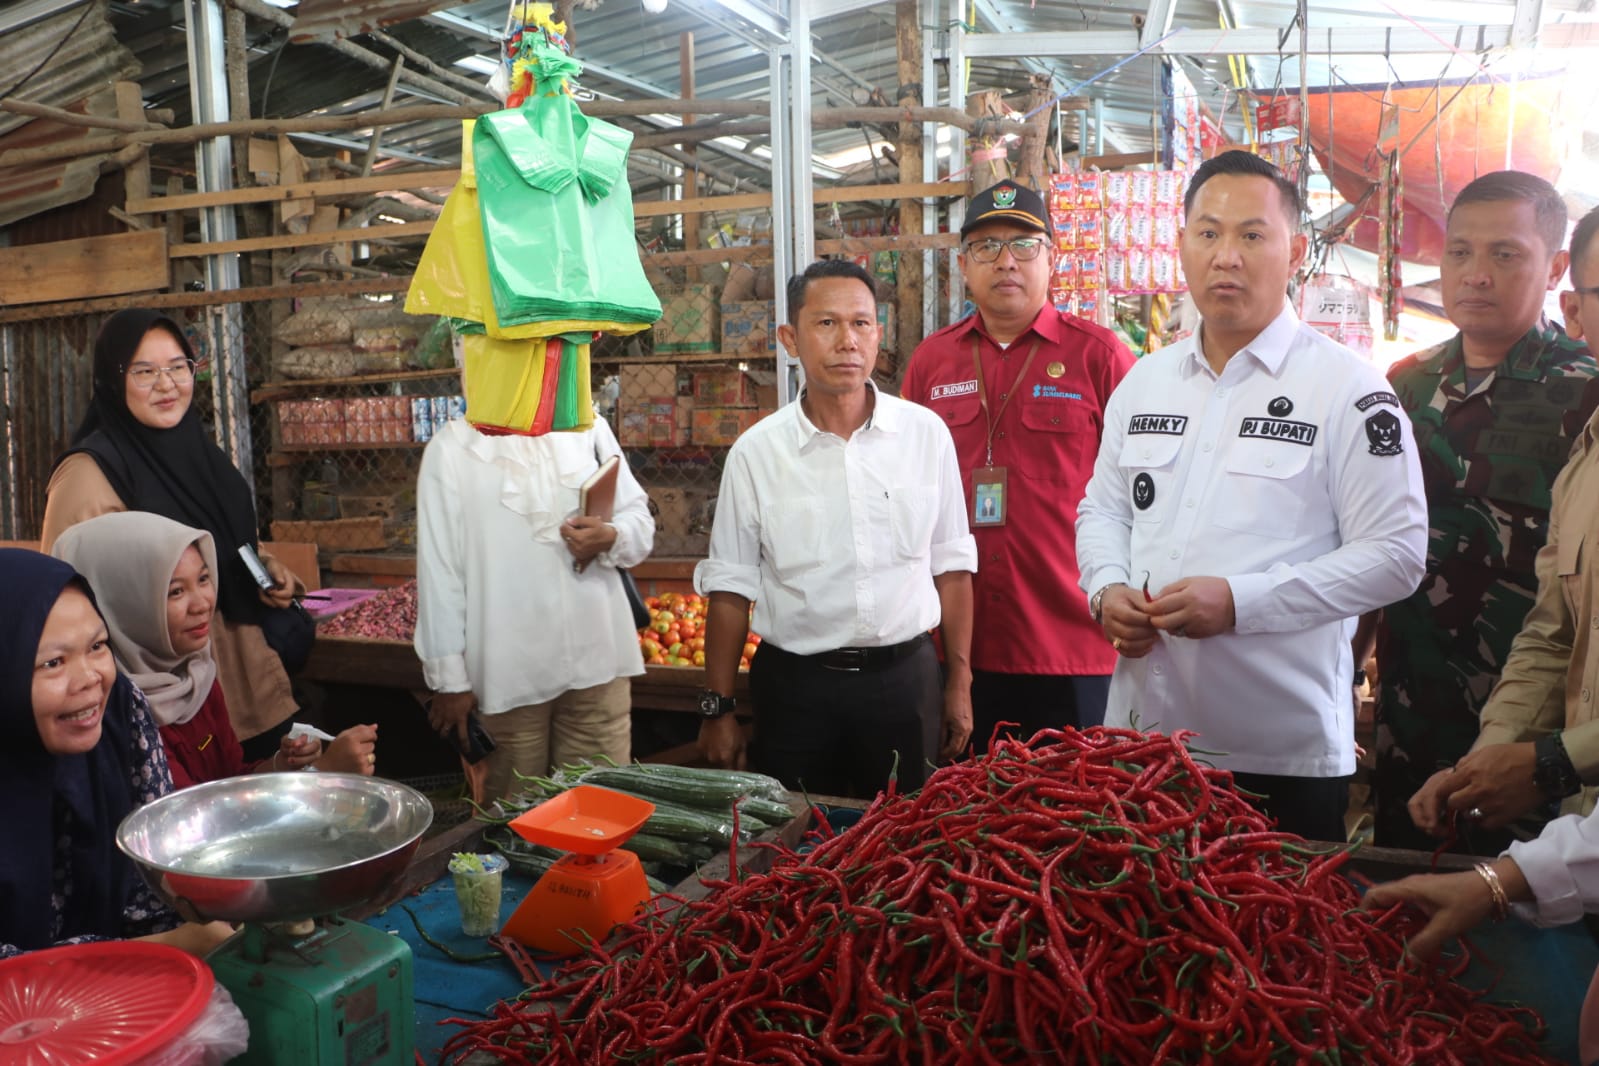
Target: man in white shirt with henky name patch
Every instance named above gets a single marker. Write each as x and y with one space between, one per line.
842 517
1257 488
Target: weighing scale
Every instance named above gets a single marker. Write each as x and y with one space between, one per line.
285 854
588 893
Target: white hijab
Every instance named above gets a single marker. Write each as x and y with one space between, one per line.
128 558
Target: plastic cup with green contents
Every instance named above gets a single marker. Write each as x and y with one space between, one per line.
477 891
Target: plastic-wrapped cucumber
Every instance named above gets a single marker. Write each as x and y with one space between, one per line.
652 848
712 790
677 822
772 812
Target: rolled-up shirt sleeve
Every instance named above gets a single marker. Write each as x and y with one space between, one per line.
1562 869
1382 525
954 548
734 562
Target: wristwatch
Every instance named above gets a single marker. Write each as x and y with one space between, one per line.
1552 772
1096 605
715 705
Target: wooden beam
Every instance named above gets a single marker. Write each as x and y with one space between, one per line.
303 240
65 308
1117 161
691 177
72 118
100 266
908 271
740 202
436 178
849 194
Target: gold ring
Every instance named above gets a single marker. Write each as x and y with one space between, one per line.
371 758
1116 642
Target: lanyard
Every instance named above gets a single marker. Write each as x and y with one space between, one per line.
1004 399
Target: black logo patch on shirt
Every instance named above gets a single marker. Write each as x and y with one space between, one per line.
1143 491
1278 429
1171 425
1382 434
1281 407
1372 399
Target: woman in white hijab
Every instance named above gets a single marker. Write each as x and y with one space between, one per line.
155 579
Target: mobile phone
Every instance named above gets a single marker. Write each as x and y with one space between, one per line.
252 562
478 742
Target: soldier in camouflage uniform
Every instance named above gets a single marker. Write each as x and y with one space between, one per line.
1495 411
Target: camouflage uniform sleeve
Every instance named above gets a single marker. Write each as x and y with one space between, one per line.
1530 699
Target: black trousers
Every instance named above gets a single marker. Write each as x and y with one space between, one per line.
1312 807
1034 702
837 732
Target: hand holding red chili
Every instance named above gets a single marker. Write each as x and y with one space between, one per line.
1194 607
1125 619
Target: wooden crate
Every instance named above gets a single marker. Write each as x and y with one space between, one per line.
340 534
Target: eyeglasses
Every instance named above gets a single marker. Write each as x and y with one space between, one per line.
1022 249
1591 290
144 378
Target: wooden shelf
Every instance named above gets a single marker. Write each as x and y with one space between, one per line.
289 454
272 390
688 357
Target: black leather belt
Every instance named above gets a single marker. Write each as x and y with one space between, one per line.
855 660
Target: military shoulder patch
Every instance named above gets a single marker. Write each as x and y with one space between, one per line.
1382 434
1372 399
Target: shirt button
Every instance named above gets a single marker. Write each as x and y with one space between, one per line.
1205 447
1004 396
1056 422
1255 624
1585 695
1596 621
1175 554
1002 434
1221 390
1147 453
1190 503
1271 462
1154 669
994 558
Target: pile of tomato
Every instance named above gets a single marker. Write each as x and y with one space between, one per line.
676 633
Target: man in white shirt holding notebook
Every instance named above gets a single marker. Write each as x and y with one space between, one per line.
843 519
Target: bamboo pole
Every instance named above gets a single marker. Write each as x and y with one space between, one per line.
72 118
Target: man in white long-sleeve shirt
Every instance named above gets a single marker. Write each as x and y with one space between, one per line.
520 611
843 518
1263 480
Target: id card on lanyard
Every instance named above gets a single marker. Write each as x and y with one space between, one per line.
990 485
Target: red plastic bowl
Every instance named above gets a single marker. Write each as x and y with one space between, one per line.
109 1003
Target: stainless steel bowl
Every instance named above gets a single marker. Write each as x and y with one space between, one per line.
276 847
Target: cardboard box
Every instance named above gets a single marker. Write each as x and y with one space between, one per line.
749 327
688 320
682 520
650 425
723 388
721 425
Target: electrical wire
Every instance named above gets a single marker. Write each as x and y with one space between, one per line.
88 6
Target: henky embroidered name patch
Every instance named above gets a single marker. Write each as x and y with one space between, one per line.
1171 425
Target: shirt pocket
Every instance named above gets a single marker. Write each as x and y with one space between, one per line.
791 536
1149 461
1265 492
1062 441
958 411
912 513
1568 566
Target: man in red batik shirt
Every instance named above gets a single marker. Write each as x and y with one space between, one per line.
1023 387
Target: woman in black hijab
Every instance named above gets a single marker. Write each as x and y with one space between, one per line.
78 751
142 447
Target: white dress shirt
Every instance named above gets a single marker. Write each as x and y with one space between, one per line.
1562 869
1293 475
500 611
837 541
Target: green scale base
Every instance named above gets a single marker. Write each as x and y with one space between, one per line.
340 995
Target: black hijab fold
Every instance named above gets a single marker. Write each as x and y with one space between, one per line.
94 790
179 472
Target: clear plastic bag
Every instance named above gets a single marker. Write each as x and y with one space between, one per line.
218 1035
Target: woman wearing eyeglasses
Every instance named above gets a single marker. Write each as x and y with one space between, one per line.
141 447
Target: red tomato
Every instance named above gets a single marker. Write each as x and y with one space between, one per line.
749 652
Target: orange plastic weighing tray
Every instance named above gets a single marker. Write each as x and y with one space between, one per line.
586 819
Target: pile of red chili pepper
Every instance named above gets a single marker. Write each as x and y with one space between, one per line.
1094 897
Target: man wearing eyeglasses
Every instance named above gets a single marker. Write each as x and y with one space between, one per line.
1539 737
1022 387
1495 411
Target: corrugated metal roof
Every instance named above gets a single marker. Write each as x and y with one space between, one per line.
87 60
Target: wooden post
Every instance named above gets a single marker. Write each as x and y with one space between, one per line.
1033 172
388 101
908 272
130 107
989 161
237 62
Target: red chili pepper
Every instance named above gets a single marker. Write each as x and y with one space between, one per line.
1147 597
1103 880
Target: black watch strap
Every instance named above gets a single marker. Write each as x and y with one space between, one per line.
1553 772
715 705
